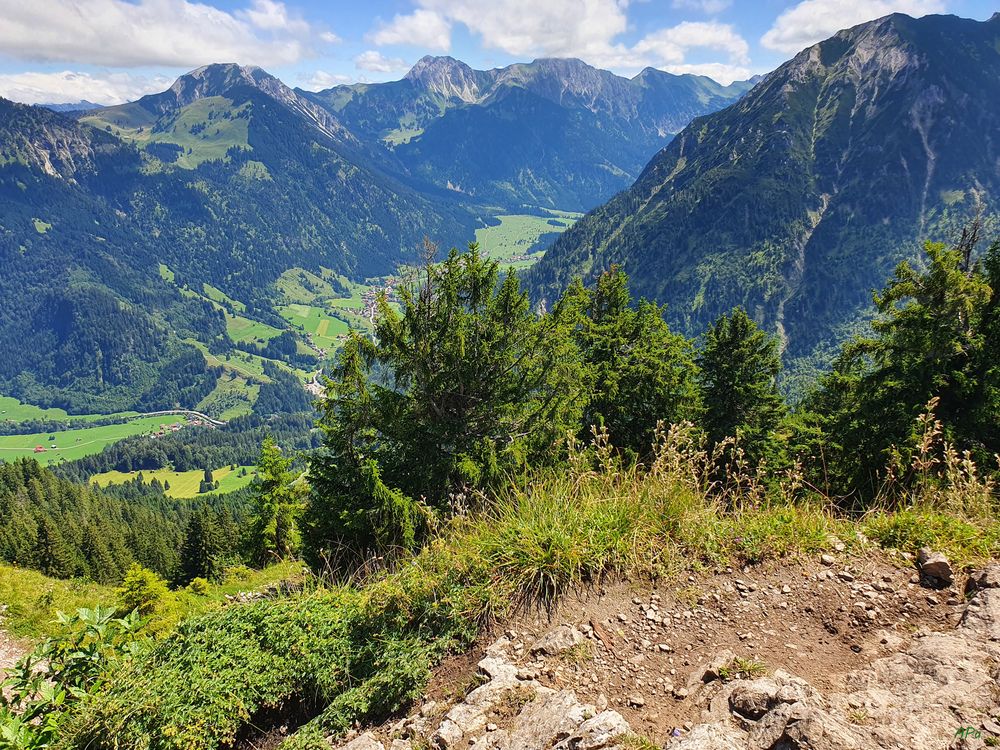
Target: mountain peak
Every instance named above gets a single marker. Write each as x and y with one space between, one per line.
446 76
218 78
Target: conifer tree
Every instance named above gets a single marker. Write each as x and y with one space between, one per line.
274 528
202 549
739 389
638 371
462 386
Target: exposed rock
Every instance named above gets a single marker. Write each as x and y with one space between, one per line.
366 741
556 641
753 699
602 731
711 670
545 722
797 726
708 737
986 578
936 567
982 615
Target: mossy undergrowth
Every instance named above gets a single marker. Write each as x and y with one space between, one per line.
360 652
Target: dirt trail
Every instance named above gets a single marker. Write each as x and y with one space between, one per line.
837 653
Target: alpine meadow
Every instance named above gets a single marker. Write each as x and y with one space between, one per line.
485 376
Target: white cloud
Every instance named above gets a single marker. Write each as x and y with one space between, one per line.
670 46
375 62
422 28
176 33
321 79
70 86
721 72
812 21
705 6
588 29
273 16
555 28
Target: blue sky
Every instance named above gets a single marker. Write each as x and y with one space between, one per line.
110 51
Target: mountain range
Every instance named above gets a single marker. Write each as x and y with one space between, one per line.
555 132
798 200
114 220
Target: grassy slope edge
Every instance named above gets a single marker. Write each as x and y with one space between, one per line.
362 650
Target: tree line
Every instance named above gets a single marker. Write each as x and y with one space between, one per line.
65 529
466 388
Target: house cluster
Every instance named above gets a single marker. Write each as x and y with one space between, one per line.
175 427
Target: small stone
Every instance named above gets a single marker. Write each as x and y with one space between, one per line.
636 700
935 566
491 727
828 559
680 693
558 640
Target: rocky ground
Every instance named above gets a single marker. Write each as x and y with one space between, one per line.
830 654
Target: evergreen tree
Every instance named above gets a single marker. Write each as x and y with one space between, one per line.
936 338
638 371
274 528
462 386
739 373
53 556
203 548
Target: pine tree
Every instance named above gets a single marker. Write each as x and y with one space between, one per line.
53 556
739 372
936 337
274 528
461 387
201 553
638 371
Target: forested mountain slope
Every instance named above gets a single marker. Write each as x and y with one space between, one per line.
554 132
229 178
797 200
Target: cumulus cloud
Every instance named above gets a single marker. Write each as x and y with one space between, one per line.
374 61
670 46
176 33
321 79
812 21
70 86
721 72
422 28
587 29
705 6
556 28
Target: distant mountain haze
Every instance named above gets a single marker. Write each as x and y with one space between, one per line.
555 132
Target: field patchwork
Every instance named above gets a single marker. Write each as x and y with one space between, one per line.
68 445
183 484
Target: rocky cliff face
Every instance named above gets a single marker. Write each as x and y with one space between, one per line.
55 145
798 200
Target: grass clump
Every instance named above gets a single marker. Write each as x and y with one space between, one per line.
741 668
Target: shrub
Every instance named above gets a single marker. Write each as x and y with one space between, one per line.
142 590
